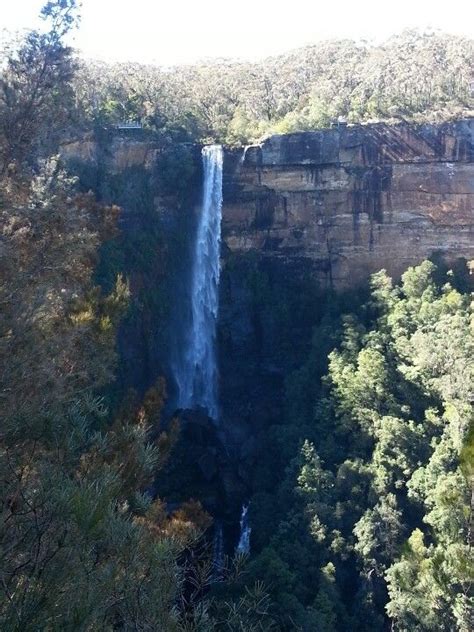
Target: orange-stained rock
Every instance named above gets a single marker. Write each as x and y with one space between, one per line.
122 152
342 202
347 202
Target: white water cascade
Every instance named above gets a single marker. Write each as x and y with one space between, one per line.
244 154
197 375
243 546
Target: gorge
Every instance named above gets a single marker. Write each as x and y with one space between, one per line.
323 209
303 215
236 335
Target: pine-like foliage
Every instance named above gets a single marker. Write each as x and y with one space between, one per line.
83 546
378 531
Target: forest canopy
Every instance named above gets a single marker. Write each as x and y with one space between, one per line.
376 513
413 76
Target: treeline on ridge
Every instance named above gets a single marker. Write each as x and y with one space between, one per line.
414 76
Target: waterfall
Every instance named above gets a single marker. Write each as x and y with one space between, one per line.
244 154
243 546
197 374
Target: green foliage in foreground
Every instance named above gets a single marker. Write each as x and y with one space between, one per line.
84 545
379 523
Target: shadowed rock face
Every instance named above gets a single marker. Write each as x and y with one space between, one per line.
346 202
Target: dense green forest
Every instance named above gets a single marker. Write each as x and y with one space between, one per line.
364 515
375 510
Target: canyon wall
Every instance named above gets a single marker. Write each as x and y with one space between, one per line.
158 191
341 203
349 201
302 213
312 211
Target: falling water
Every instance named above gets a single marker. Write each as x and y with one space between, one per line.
244 154
245 530
197 375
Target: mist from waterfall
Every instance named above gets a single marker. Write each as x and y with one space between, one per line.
197 375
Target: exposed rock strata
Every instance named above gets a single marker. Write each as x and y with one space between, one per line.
349 201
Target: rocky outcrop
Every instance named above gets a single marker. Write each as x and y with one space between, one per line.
316 210
341 203
119 151
346 202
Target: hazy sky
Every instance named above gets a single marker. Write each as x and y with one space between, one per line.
177 31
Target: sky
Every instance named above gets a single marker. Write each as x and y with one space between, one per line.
169 32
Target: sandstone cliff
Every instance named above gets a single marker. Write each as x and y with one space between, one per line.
349 201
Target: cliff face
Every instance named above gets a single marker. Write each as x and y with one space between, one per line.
346 202
152 249
339 203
